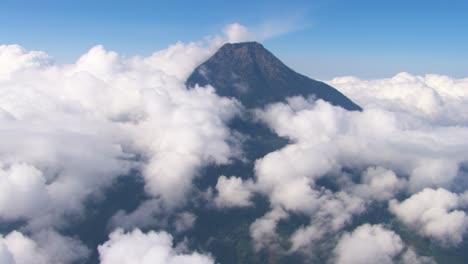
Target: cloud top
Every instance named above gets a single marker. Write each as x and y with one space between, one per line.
146 248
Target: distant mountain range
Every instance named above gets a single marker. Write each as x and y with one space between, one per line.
253 75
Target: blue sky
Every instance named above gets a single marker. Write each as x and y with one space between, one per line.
369 39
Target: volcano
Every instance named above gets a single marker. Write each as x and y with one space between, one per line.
254 76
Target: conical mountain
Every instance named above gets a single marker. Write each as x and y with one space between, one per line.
253 75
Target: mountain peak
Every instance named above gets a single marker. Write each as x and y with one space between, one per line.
250 56
253 75
242 47
248 44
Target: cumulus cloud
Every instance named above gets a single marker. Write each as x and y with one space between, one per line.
434 214
48 248
356 139
378 184
23 191
436 98
233 192
194 133
408 137
23 249
375 244
137 247
106 103
14 58
263 230
334 211
368 244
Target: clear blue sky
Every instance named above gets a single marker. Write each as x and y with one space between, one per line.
370 39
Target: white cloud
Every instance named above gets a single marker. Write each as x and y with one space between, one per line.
23 191
233 192
263 230
268 29
85 124
23 249
81 120
238 33
333 138
334 211
437 98
5 255
368 244
144 248
407 138
191 130
439 172
378 183
14 58
433 213
48 247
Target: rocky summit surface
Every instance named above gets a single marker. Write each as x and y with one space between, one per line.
253 75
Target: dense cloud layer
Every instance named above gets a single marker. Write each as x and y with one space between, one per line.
83 125
403 142
378 143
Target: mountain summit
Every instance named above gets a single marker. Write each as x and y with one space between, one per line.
253 75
